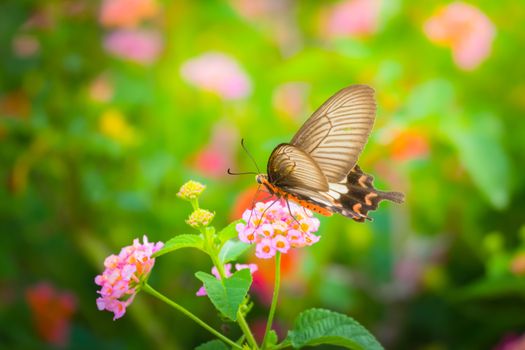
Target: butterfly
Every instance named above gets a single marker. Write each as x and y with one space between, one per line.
318 168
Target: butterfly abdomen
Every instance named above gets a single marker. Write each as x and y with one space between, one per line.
361 196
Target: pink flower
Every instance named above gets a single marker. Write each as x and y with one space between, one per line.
511 342
25 46
123 275
464 29
52 311
277 230
218 73
126 13
227 272
351 18
281 244
140 46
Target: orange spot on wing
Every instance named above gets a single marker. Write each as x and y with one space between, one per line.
357 208
362 180
369 196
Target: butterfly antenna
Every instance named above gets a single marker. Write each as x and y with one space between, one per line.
249 155
243 173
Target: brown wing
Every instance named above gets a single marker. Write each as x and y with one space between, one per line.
336 133
290 167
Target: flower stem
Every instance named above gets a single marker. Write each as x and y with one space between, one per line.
246 330
275 296
148 289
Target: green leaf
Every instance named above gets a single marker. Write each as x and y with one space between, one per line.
227 295
181 241
232 249
272 338
319 326
212 345
482 154
229 231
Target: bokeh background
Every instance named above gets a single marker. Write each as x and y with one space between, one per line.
106 108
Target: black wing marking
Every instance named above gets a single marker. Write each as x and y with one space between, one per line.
336 133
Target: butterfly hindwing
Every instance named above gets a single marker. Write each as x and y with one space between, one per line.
362 196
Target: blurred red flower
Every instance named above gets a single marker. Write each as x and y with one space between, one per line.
52 311
263 278
247 199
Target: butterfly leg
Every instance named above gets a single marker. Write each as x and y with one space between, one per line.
264 212
291 214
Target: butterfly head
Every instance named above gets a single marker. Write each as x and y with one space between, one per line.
261 178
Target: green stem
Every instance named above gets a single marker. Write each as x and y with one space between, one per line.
148 289
246 330
275 296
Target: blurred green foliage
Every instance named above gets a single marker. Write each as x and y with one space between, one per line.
95 146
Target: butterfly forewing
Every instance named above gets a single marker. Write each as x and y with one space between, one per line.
290 167
336 133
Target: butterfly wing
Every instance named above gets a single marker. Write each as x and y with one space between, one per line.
290 167
336 133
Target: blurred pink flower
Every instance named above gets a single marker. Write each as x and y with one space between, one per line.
126 13
355 18
218 155
218 73
140 46
289 99
52 311
464 29
228 272
25 45
277 230
511 342
123 275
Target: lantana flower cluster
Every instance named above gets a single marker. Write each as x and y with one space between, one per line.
272 228
123 274
227 272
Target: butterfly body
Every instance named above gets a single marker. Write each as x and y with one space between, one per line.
318 168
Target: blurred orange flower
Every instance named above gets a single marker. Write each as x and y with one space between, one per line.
15 104
101 88
113 124
126 13
409 144
52 311
517 265
465 29
354 18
